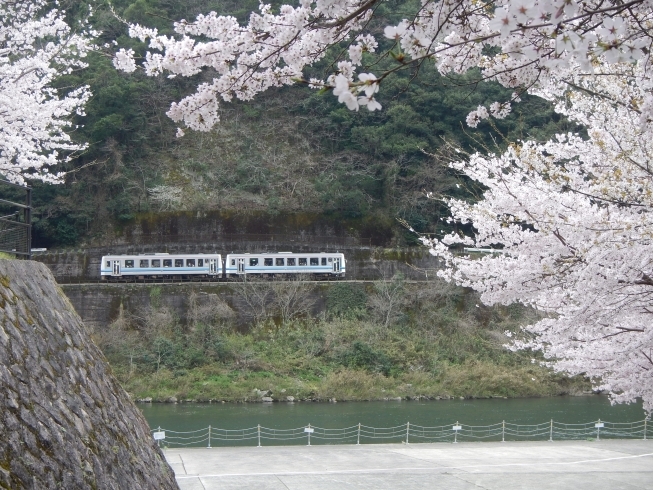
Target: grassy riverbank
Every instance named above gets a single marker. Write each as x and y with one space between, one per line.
386 341
215 382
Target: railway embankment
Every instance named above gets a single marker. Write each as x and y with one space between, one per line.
363 263
374 246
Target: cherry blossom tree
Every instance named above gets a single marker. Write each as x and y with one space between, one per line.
522 44
572 221
36 47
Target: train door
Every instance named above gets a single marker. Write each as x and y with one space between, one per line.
116 268
213 267
241 266
336 265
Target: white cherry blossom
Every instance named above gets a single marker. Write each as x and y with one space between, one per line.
533 43
573 218
36 47
124 60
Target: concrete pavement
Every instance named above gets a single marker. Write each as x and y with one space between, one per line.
595 465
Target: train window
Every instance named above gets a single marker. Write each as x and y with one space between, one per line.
156 262
190 262
108 263
330 259
302 261
279 262
315 261
200 262
253 261
144 264
291 260
179 262
167 262
233 261
129 264
323 260
267 262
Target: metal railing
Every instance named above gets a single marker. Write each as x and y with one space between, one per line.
16 223
406 433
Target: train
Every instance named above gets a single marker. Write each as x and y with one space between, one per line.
162 266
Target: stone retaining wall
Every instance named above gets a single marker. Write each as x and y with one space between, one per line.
65 422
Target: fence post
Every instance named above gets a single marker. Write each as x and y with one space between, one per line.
259 434
455 433
358 437
407 430
309 435
209 437
551 431
598 430
158 441
503 431
645 429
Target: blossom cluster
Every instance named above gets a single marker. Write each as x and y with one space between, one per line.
533 41
36 48
573 216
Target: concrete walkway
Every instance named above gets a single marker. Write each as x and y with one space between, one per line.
608 464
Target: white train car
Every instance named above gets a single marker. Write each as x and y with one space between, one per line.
160 266
322 264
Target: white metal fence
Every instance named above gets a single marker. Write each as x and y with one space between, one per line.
407 433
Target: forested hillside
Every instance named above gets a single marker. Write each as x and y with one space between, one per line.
289 150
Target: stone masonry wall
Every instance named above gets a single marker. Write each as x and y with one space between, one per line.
65 422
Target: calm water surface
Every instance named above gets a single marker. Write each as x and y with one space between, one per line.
191 416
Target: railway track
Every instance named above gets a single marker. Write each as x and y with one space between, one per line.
223 282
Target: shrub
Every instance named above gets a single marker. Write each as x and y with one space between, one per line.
362 356
346 299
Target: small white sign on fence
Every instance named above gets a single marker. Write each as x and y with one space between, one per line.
599 425
159 435
310 430
457 427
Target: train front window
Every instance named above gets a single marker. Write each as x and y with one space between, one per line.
129 264
167 263
144 264
279 262
156 262
108 263
200 262
190 262
253 262
323 260
179 262
302 261
315 261
291 261
233 261
267 262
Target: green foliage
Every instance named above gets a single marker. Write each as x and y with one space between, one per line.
155 296
444 346
347 300
362 356
289 150
66 233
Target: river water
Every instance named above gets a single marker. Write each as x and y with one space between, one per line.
565 409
